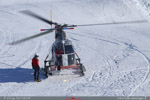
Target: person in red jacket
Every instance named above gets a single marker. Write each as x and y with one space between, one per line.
36 67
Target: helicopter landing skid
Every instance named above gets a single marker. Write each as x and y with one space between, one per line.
52 69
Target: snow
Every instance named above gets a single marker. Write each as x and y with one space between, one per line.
116 57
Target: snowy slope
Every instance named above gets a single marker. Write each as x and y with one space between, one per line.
144 5
117 57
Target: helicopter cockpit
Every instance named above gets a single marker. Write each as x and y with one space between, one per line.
64 45
66 50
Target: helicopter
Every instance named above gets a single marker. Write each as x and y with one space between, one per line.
67 58
63 54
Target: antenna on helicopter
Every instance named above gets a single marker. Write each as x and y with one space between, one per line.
51 17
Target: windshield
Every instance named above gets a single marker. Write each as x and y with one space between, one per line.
69 49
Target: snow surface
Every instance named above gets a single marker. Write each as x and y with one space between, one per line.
116 57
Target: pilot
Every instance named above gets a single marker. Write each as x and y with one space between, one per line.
58 53
36 68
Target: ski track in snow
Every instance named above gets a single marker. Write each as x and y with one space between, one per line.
133 47
78 87
148 70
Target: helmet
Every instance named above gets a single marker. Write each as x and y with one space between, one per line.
36 55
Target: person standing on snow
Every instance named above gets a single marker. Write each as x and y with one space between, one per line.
36 67
58 53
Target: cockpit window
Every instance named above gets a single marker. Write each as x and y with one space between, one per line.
69 49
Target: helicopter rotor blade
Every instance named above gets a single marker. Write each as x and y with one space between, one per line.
113 23
29 13
31 37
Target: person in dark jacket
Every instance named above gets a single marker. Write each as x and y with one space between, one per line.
58 53
36 67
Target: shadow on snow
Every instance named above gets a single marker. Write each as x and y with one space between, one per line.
19 75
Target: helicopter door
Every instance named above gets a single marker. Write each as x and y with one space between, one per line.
65 60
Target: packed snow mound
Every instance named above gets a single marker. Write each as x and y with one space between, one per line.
144 5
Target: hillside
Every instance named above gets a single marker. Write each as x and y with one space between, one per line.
116 57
